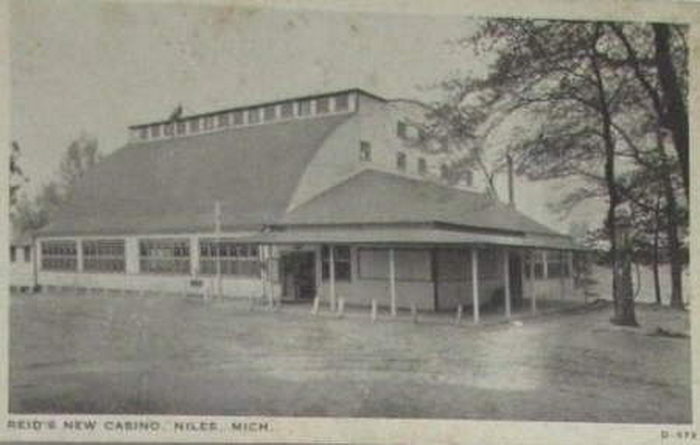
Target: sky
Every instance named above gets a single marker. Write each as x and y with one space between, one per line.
94 68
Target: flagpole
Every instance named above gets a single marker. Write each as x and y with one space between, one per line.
217 230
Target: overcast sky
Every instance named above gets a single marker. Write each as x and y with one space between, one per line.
93 67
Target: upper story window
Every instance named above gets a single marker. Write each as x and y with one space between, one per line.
365 151
181 128
254 116
401 161
209 122
155 131
287 110
422 166
269 113
223 120
323 105
401 129
238 117
168 129
194 125
143 133
305 107
342 102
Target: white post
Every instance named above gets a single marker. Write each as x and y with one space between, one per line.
318 272
217 231
570 268
331 275
373 314
475 283
562 278
314 310
392 282
460 309
341 307
506 279
545 274
533 295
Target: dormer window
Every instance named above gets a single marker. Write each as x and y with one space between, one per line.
168 129
155 131
181 128
401 129
323 105
209 122
143 133
223 120
401 161
365 151
422 166
194 125
269 113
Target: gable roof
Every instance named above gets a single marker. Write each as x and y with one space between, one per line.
376 197
172 185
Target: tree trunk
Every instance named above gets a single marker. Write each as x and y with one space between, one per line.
655 254
676 115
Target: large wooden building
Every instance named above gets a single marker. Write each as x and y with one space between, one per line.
330 195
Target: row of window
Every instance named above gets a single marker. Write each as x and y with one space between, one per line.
268 113
155 256
557 266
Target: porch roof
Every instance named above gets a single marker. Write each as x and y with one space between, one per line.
410 236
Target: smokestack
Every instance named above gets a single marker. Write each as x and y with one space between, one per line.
511 192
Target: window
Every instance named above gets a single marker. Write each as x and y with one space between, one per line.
168 129
223 120
27 254
304 107
323 105
342 102
164 256
103 255
409 264
539 265
13 254
234 258
341 261
155 131
287 110
238 118
422 166
269 113
254 116
444 171
401 161
181 128
194 125
143 133
59 255
365 151
557 266
401 129
209 122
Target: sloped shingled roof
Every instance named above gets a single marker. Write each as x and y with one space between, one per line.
373 197
172 185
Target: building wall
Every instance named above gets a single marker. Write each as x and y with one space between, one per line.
21 269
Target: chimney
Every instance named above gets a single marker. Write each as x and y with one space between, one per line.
511 192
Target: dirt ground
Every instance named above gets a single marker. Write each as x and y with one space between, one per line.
171 355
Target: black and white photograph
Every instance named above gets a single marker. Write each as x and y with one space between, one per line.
234 212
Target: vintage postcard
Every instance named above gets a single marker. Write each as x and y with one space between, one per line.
349 222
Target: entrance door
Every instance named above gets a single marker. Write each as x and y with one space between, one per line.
516 280
298 275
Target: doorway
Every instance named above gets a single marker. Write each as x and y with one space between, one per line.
297 273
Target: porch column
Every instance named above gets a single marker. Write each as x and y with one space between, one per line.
318 272
523 278
545 266
570 269
506 279
79 255
331 275
562 277
475 283
533 295
392 282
